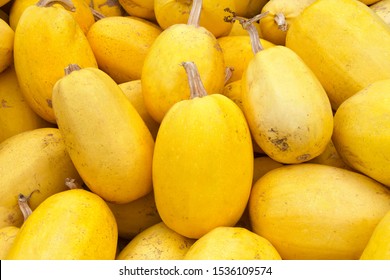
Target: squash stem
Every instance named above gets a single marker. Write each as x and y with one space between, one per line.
23 204
71 67
72 184
194 17
280 20
68 4
196 86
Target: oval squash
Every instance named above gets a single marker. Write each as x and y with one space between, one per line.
70 225
313 211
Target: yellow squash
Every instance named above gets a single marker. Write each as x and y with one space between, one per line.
139 8
46 41
286 107
248 8
79 10
133 91
196 174
170 12
6 45
313 211
281 13
120 45
378 247
331 157
70 225
33 162
107 8
232 243
262 165
157 242
237 53
361 133
7 237
105 136
382 9
15 114
348 53
135 216
163 79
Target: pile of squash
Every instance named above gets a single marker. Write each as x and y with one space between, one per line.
209 129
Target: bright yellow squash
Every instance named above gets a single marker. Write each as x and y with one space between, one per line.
15 114
105 136
70 225
120 45
281 13
139 8
237 52
313 211
163 79
157 242
202 163
6 45
135 216
170 12
79 10
232 243
7 237
378 247
361 133
46 41
348 53
32 162
133 91
107 8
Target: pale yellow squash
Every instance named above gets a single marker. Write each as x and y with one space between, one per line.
232 243
7 237
312 211
348 53
15 114
70 225
135 216
196 176
361 133
6 45
46 41
286 107
105 136
120 45
378 247
163 79
382 9
281 13
157 242
32 162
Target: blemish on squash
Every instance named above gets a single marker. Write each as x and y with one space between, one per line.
303 157
4 104
49 103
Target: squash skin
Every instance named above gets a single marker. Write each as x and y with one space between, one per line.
164 81
344 55
231 243
378 247
312 211
113 153
361 131
15 114
7 237
196 176
120 45
43 171
70 225
286 107
7 36
46 41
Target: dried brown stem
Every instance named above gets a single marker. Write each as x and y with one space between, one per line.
68 4
194 17
196 86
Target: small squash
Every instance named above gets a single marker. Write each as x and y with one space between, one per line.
70 225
